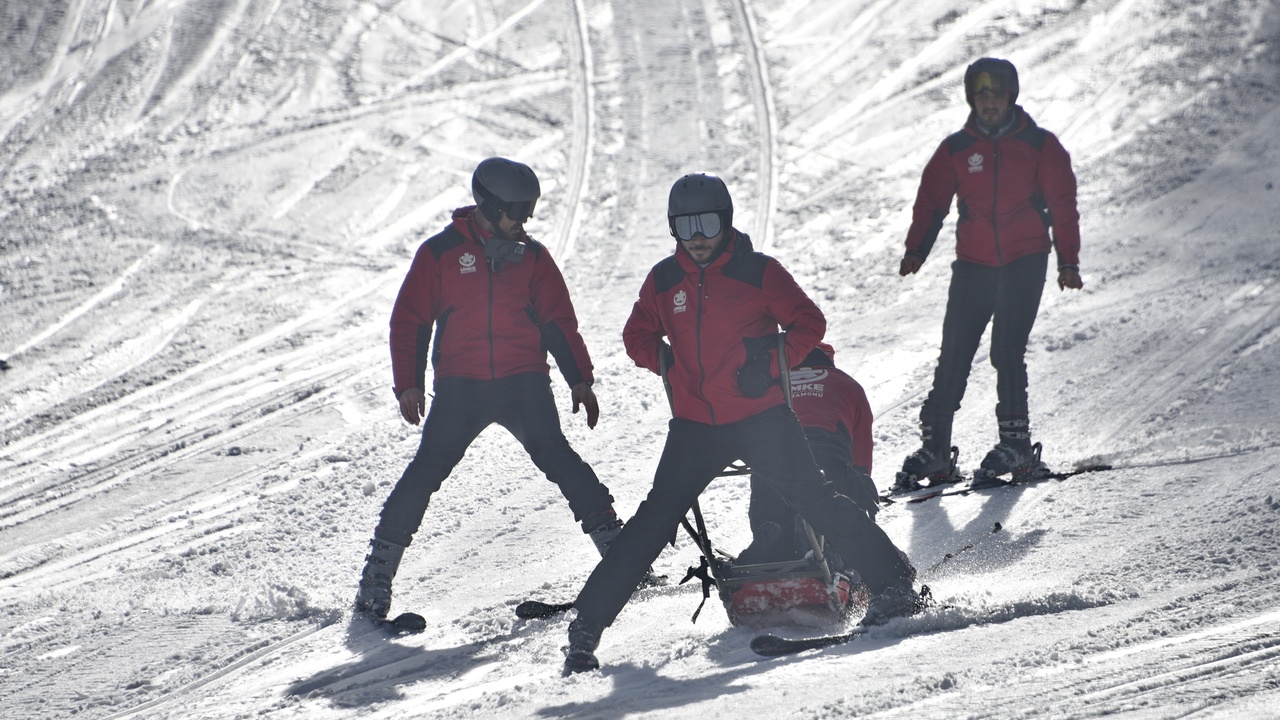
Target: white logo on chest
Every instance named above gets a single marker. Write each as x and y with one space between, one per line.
975 163
680 299
468 263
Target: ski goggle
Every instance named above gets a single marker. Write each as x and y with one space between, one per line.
987 82
706 224
520 211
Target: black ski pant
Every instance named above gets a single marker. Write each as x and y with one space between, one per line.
460 411
772 444
1008 298
767 506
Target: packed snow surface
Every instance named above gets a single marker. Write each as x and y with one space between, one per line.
208 209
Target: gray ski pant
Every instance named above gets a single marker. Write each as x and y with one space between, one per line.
460 411
773 444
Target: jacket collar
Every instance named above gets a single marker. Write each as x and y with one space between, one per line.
736 244
464 221
1018 122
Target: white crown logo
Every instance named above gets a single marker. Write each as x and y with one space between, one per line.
681 298
975 160
467 260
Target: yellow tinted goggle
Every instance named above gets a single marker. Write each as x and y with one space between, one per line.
987 83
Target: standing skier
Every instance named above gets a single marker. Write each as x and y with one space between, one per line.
833 411
721 305
1014 182
498 304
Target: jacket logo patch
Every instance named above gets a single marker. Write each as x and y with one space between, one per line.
975 163
807 382
468 263
680 299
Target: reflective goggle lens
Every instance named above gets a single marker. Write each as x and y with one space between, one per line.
987 82
521 211
705 224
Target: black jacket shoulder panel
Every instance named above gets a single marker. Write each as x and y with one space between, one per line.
667 274
747 267
959 141
444 241
535 246
1033 136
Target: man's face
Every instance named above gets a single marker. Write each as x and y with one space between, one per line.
701 247
992 107
508 229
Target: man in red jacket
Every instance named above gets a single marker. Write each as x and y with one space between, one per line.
833 410
1014 182
720 305
498 305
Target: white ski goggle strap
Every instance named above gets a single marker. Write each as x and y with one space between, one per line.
705 224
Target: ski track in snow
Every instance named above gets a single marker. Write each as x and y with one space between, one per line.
210 207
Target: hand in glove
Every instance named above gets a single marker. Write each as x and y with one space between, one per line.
585 396
756 375
666 356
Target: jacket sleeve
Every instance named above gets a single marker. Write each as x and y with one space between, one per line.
933 202
553 313
643 333
794 312
412 317
1058 182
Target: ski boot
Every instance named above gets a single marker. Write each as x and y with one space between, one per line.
926 465
895 601
374 597
603 527
584 638
1014 455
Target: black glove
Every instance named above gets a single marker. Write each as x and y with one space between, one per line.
666 356
756 375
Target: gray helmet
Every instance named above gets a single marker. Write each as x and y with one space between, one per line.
500 185
699 193
991 72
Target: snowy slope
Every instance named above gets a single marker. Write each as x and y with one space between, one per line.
208 209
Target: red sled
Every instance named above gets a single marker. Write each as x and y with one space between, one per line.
797 592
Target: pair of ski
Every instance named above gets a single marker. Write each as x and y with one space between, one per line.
954 483
767 645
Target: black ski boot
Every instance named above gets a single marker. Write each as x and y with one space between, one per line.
1015 454
933 462
374 596
584 638
895 601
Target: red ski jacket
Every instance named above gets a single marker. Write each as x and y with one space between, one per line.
1011 191
487 325
716 318
826 398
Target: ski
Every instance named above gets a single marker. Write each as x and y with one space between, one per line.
536 610
770 645
986 481
402 624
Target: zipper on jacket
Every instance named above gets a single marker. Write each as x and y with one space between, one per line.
493 373
702 371
995 198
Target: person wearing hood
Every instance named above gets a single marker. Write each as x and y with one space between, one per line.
497 304
1014 184
710 313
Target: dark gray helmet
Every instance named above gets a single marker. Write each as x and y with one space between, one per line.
699 193
991 73
500 185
